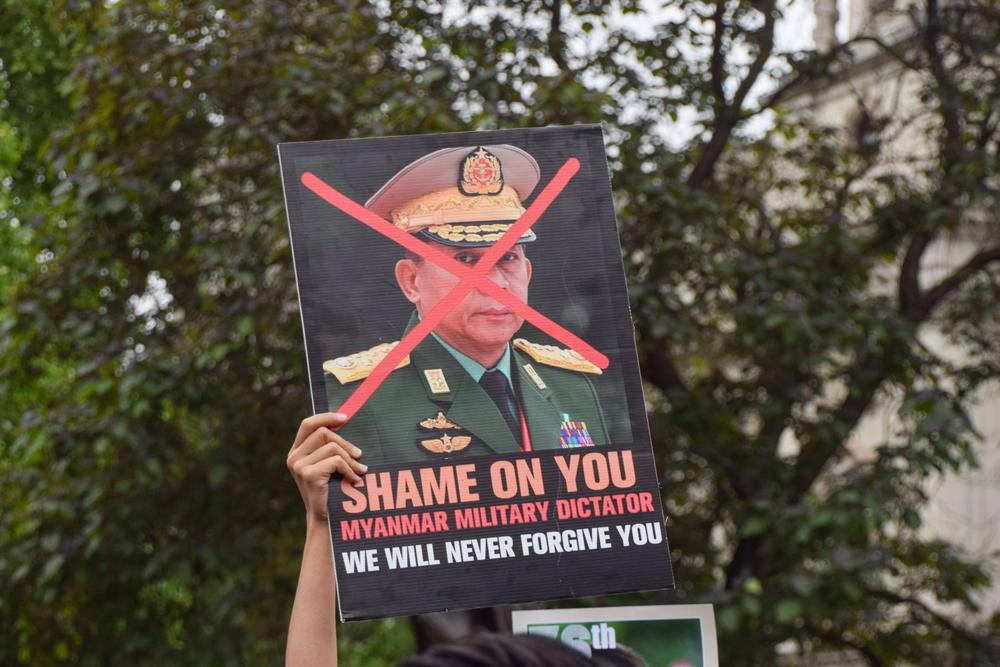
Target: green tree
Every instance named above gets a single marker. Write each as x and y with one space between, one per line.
151 359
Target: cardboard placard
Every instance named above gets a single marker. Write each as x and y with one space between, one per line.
463 300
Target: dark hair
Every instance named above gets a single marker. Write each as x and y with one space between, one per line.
493 650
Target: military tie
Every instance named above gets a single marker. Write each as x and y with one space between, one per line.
496 385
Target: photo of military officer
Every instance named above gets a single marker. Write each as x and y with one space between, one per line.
472 387
465 310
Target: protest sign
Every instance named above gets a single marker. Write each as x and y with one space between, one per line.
463 302
655 635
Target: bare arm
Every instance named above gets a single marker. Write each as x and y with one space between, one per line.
316 454
312 632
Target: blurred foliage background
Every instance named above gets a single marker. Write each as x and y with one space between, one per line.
151 364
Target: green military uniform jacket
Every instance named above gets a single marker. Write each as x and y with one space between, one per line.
402 422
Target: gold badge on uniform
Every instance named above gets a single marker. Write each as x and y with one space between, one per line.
436 381
535 377
360 365
443 443
550 355
438 422
446 443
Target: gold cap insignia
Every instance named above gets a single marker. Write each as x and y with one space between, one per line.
439 422
446 444
481 174
360 365
550 355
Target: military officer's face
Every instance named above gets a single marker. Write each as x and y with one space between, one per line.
480 325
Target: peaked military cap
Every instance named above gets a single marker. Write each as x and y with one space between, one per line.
465 197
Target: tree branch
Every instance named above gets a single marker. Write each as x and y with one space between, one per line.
740 564
728 114
908 292
557 41
937 618
717 64
947 92
842 641
987 130
936 294
660 370
765 44
863 380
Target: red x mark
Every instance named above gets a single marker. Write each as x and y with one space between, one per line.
470 278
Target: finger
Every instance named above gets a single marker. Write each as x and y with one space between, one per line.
310 424
327 467
332 449
313 441
317 439
308 472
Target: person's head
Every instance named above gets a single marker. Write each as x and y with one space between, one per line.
461 201
494 650
479 323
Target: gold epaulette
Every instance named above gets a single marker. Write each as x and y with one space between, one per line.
360 365
556 356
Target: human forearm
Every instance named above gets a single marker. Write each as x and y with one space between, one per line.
316 455
312 632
